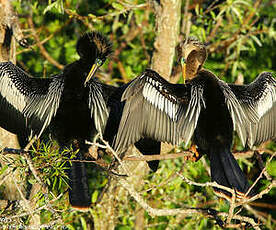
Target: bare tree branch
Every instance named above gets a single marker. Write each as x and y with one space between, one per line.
41 47
191 211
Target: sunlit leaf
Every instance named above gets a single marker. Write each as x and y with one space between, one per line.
95 196
256 40
271 168
118 6
83 223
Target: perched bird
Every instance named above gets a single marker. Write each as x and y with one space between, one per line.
205 110
73 105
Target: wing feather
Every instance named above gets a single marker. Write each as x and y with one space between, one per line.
98 105
156 109
239 118
27 103
258 102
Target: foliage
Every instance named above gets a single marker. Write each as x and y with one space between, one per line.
242 40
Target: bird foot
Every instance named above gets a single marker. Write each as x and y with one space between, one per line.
196 155
240 196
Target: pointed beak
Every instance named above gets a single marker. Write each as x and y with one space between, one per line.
183 68
92 72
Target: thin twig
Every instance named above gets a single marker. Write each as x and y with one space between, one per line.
113 14
37 209
255 213
106 145
26 204
231 209
259 195
45 39
207 184
159 157
41 47
261 174
153 211
242 218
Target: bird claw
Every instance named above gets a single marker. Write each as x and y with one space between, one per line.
240 196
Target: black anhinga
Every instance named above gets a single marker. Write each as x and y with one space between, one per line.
73 104
70 103
205 110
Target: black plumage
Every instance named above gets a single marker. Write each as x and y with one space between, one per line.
73 105
147 146
205 110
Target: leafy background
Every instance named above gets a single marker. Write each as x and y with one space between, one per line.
241 39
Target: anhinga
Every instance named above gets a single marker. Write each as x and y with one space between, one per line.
73 104
205 110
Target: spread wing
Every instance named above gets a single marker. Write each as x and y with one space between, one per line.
239 118
156 109
258 101
27 103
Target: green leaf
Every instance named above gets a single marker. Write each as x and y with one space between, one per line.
32 181
237 13
213 14
234 68
70 227
92 15
58 5
256 40
3 169
83 223
271 168
197 9
117 6
95 196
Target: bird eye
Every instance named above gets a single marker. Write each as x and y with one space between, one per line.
99 62
182 60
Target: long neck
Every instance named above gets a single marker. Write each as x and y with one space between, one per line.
76 72
192 68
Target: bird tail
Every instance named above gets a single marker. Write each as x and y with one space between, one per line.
79 196
226 171
149 147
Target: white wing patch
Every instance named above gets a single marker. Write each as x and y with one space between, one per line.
267 101
8 85
44 107
99 111
37 103
238 116
165 104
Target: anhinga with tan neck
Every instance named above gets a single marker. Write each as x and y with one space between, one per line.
205 110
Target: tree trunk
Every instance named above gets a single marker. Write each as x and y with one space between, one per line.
167 24
167 33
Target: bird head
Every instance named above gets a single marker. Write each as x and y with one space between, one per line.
93 48
191 55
